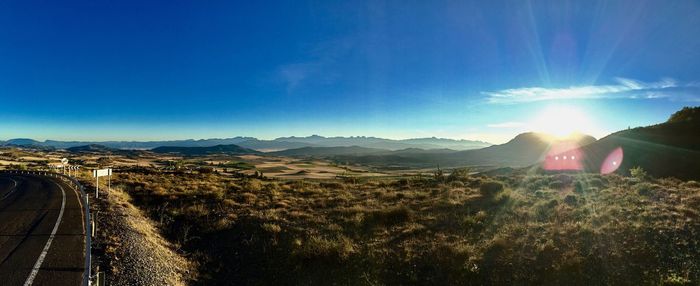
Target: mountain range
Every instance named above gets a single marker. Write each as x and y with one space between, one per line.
668 149
523 150
281 143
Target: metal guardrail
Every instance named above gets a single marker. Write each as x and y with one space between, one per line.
86 208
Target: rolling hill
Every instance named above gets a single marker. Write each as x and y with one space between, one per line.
389 144
328 151
523 150
230 149
91 148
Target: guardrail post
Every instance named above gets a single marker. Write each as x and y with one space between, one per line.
101 279
93 231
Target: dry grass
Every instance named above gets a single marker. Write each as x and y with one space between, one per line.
540 229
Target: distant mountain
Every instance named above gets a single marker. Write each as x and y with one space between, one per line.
23 142
670 149
389 144
282 143
523 150
328 151
143 145
271 145
148 144
218 149
91 148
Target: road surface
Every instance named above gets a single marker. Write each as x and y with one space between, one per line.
42 236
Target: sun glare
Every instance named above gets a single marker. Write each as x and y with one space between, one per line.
562 121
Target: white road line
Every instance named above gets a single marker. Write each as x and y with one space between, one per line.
12 190
40 260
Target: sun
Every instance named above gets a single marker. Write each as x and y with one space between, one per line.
562 121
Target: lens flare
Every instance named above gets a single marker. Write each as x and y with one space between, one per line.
612 162
563 155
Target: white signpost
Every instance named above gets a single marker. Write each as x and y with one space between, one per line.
101 173
64 162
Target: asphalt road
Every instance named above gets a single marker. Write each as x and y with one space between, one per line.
42 237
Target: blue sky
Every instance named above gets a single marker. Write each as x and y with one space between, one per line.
150 70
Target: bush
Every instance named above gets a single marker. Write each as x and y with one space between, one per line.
271 227
556 185
459 174
439 175
332 185
571 200
645 189
692 184
564 179
337 248
252 185
578 187
391 216
457 184
490 189
638 173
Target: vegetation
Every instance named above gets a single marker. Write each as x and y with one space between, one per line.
459 229
686 114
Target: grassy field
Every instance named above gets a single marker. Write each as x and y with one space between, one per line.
536 229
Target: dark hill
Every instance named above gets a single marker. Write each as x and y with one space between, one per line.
218 149
670 149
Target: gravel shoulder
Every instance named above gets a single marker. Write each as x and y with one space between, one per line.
129 248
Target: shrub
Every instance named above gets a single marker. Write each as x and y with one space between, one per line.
545 210
556 185
645 189
395 215
692 184
540 194
571 200
675 279
564 179
271 227
439 175
638 173
459 174
252 185
316 246
490 189
332 185
457 184
596 182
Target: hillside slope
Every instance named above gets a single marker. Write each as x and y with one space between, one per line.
670 149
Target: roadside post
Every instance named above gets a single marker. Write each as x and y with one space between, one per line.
64 162
101 173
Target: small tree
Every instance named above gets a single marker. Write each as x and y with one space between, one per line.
638 173
458 174
104 161
439 175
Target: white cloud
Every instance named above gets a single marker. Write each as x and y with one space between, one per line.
316 66
295 74
625 88
509 124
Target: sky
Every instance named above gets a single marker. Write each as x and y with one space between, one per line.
485 70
